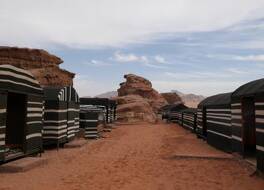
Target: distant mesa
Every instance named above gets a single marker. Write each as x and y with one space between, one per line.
43 65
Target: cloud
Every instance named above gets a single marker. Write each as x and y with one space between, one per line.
97 63
124 58
249 58
160 59
93 23
148 61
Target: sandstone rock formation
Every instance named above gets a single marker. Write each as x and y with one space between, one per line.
134 108
137 100
136 85
172 97
44 66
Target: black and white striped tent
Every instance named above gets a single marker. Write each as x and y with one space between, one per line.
248 121
21 113
61 115
175 113
214 121
112 111
89 120
109 106
189 119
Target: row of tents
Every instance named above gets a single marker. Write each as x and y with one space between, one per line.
32 117
232 122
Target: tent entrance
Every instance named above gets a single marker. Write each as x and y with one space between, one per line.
15 125
249 128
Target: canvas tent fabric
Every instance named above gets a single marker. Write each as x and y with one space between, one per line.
254 92
21 113
189 119
214 118
89 120
175 114
61 115
109 106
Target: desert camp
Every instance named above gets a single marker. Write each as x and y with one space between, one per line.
132 95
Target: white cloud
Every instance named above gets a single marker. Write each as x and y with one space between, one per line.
160 59
97 63
249 58
120 57
148 61
94 23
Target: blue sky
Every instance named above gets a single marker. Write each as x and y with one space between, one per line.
203 48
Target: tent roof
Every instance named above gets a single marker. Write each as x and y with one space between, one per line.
219 99
249 89
190 110
61 93
178 107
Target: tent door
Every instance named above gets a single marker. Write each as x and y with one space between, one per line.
15 125
249 128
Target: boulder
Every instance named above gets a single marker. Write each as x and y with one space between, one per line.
134 108
136 85
43 65
138 101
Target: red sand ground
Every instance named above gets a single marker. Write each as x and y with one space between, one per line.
135 157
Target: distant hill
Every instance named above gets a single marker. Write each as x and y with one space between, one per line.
191 100
110 94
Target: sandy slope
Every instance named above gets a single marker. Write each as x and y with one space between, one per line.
137 157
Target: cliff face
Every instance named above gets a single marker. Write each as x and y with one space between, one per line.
44 66
137 100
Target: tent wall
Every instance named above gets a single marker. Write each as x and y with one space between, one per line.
34 124
89 122
61 115
200 121
236 122
259 113
175 116
3 103
189 120
55 122
218 122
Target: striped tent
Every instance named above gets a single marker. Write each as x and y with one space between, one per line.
248 121
21 113
175 113
189 119
112 111
61 115
109 106
214 121
89 120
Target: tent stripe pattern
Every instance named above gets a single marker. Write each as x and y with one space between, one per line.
61 119
21 97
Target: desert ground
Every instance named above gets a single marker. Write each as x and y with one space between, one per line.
143 156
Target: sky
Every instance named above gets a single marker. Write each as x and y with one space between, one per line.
203 47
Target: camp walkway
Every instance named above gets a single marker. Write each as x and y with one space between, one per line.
142 157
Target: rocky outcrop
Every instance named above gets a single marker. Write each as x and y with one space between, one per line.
136 85
134 108
172 98
44 66
137 100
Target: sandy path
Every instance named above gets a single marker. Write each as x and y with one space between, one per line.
135 157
